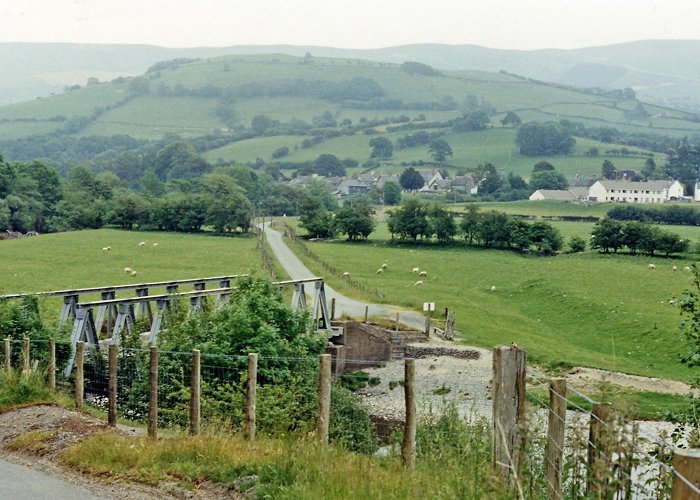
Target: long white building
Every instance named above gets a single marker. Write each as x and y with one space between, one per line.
635 192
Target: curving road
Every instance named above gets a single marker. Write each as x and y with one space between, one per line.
343 305
20 482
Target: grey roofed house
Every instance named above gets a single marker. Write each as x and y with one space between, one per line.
462 184
571 194
384 178
351 186
307 180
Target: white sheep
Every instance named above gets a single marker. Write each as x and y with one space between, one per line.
493 288
686 268
106 249
142 243
422 273
128 270
418 283
380 270
416 270
155 244
675 268
652 266
133 273
384 266
346 274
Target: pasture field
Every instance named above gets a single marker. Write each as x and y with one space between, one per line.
76 259
603 311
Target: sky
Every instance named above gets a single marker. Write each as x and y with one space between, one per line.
506 24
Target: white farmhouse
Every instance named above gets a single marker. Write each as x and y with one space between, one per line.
635 192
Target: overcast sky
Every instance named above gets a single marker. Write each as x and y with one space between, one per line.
521 24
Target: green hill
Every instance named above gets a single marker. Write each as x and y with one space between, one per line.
315 105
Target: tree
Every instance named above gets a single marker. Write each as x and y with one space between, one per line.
315 218
410 221
608 169
356 218
439 150
511 119
577 244
474 120
545 237
548 179
470 224
382 148
442 223
328 165
179 160
391 193
690 309
488 179
411 180
607 235
684 163
544 139
649 167
543 165
127 209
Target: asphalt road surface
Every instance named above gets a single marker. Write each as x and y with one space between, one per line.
25 483
343 305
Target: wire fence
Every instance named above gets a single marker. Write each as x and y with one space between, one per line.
601 454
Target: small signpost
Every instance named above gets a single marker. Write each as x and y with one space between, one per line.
428 307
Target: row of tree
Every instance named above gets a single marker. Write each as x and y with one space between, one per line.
666 214
612 235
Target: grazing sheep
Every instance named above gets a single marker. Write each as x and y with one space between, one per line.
142 243
493 288
128 270
652 266
155 244
675 268
686 268
416 270
133 273
671 301
346 274
380 270
418 283
422 273
384 266
106 249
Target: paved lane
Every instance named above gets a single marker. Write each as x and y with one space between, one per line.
21 482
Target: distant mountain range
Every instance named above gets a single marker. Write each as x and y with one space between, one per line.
661 72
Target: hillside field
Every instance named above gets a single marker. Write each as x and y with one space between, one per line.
76 259
603 311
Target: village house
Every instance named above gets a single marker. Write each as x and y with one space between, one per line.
635 192
571 194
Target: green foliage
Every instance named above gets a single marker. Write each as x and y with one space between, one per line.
690 309
577 244
609 234
16 389
382 148
20 319
548 179
544 139
315 218
439 150
410 222
356 218
411 180
391 193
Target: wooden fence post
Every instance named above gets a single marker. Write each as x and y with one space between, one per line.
332 308
396 327
408 449
112 386
509 364
8 355
195 392
324 398
554 450
52 364
687 464
250 396
26 368
598 450
153 396
79 375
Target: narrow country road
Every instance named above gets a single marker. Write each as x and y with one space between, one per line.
20 482
343 305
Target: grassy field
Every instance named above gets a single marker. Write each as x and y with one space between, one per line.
76 259
604 311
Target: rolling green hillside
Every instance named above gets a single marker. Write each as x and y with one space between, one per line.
341 102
